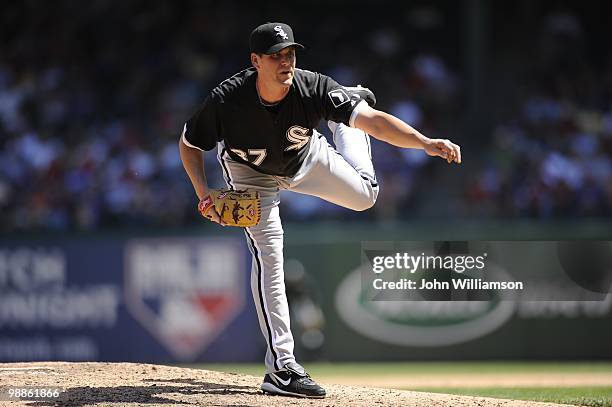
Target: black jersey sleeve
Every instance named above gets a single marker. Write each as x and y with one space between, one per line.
337 103
203 129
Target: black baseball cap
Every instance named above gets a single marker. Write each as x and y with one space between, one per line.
269 38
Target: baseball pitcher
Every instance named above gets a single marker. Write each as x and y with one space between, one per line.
262 121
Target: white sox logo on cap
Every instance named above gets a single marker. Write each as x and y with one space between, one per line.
270 38
280 32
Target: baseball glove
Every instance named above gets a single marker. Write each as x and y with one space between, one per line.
235 208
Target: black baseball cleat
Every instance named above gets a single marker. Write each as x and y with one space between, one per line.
363 93
293 381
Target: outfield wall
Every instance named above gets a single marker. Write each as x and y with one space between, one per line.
183 296
169 298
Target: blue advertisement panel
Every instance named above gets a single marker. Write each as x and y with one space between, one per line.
139 299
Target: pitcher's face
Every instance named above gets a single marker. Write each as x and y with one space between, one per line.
278 67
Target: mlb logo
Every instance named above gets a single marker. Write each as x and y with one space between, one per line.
185 292
339 97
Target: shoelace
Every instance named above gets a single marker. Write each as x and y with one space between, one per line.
306 380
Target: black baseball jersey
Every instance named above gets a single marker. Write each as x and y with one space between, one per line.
271 139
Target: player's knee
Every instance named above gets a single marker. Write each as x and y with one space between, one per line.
366 202
364 207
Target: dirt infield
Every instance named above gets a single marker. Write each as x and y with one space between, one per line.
132 384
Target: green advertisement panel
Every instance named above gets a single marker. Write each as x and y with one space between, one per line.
562 308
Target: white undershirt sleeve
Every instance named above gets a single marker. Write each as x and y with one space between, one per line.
356 112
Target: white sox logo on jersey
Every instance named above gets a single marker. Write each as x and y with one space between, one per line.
280 32
298 136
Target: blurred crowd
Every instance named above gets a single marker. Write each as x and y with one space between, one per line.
93 98
550 154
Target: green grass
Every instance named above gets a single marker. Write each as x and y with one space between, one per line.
581 396
394 368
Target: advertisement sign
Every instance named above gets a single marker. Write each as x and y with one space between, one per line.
396 300
138 299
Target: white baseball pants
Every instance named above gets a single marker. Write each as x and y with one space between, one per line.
344 176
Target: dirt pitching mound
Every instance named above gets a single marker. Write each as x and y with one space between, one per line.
133 384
